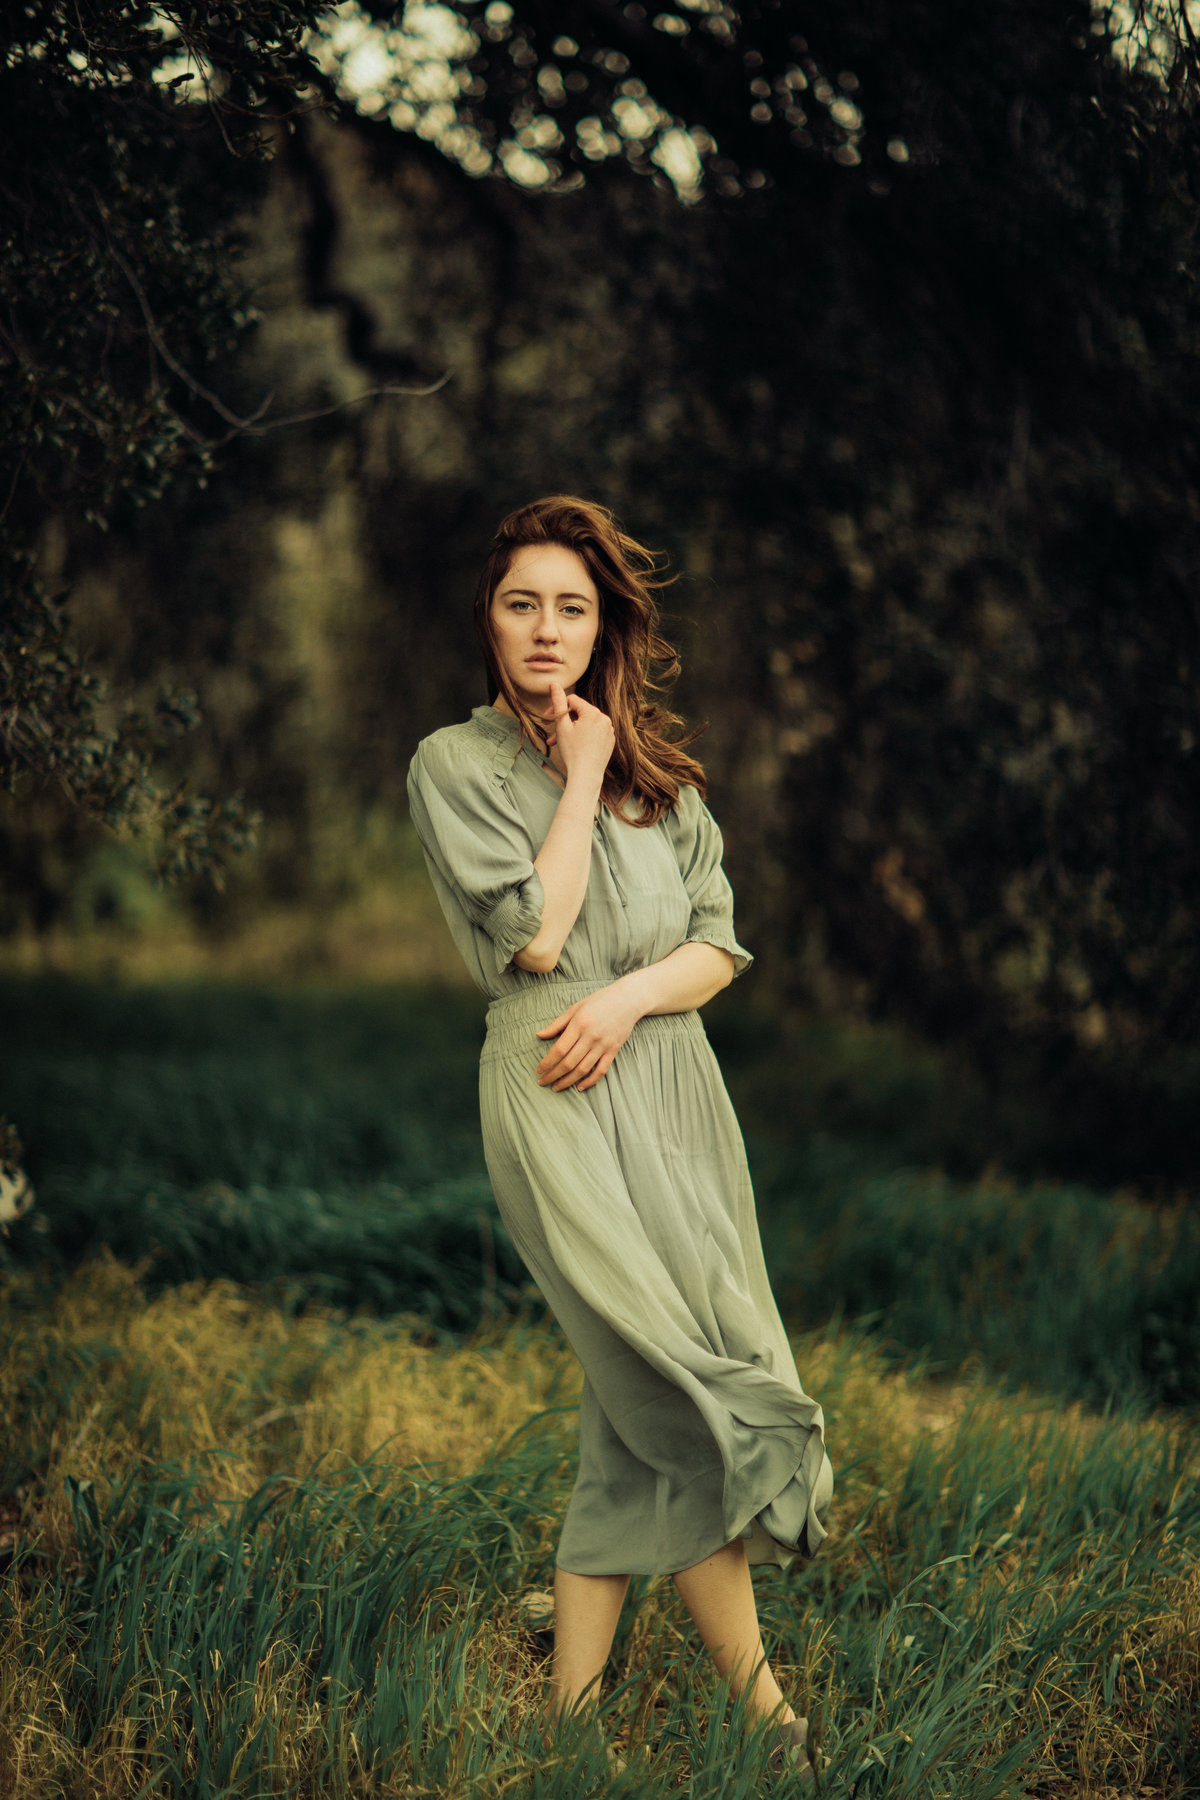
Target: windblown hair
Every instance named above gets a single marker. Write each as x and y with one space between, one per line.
631 660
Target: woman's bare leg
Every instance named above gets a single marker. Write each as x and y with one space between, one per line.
586 1610
719 1595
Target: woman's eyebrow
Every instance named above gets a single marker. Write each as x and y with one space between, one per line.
532 594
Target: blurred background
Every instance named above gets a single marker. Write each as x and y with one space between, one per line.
881 322
881 325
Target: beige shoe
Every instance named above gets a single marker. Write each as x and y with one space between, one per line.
792 1756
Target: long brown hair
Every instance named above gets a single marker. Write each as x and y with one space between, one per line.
631 660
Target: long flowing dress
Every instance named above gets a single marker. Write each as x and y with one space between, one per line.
631 1203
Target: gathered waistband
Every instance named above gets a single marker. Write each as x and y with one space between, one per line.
513 1019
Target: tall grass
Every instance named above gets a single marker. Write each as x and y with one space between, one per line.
258 1554
326 1143
1077 1292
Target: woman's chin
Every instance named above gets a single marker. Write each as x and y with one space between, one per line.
533 689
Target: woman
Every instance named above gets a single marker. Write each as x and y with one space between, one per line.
566 834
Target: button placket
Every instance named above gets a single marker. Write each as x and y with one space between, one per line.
604 827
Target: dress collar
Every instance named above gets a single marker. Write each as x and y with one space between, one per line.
502 730
503 733
497 725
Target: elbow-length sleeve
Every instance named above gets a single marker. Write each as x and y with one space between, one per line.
699 847
476 845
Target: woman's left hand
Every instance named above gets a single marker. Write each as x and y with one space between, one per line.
589 1035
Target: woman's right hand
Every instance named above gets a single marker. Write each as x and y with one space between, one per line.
581 737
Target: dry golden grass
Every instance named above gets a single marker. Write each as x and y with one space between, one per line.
388 932
207 1368
100 1379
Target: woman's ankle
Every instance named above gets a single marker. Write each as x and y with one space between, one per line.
780 1713
572 1722
576 1710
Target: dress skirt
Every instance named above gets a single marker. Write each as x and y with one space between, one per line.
631 1206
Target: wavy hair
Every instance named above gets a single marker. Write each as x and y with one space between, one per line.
631 660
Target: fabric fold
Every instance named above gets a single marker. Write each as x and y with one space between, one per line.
513 921
697 1430
701 933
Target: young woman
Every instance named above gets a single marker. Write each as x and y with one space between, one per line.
566 834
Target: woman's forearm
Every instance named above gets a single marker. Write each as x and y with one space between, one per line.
683 980
590 1033
564 863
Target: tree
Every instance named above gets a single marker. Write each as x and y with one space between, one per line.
117 294
940 396
899 340
965 413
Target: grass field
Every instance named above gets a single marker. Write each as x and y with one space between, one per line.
254 1553
287 1436
326 1142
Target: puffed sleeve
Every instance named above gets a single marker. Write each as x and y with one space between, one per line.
698 847
475 840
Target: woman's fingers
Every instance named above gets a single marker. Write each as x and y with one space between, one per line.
559 1056
558 701
563 1019
598 1073
569 709
584 1049
567 1060
583 1070
581 1067
582 1059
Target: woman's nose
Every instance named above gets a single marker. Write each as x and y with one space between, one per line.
547 626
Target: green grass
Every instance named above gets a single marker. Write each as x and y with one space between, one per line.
287 1438
201 1604
325 1142
1069 1290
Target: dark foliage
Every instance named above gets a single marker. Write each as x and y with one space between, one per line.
941 379
117 292
909 387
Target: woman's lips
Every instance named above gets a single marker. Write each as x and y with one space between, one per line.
543 662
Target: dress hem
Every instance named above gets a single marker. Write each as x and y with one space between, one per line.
754 1534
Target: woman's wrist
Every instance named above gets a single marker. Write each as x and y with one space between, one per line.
585 782
574 815
636 989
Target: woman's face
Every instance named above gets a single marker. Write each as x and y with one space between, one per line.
545 616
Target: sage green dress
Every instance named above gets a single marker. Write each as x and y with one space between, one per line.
630 1204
